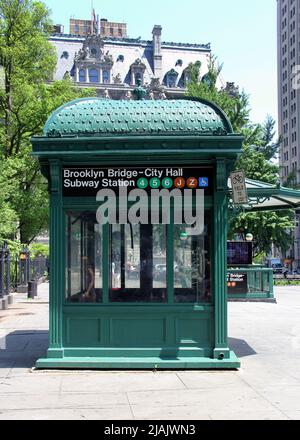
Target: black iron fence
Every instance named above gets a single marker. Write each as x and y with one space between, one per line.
17 271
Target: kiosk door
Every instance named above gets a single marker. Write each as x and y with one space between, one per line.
138 263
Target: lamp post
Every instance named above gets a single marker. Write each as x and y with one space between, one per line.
249 237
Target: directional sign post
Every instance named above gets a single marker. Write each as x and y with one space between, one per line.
239 189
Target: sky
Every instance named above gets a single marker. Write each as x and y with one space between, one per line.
242 34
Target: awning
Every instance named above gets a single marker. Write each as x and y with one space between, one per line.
267 197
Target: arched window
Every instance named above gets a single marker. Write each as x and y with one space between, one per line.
137 70
106 76
171 78
94 76
81 75
93 52
138 77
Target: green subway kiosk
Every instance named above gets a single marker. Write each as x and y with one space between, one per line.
138 229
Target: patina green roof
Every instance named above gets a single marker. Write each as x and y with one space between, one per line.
105 117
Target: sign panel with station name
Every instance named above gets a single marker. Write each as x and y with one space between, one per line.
87 181
237 283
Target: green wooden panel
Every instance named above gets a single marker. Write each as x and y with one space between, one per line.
193 331
83 332
137 332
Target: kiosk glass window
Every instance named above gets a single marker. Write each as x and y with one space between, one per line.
192 263
84 258
138 263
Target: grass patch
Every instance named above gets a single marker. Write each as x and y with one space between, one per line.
286 282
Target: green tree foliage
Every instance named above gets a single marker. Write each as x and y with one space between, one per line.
38 249
236 106
27 98
257 160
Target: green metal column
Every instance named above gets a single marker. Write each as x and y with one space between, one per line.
56 267
221 350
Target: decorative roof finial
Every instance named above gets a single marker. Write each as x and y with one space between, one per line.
139 92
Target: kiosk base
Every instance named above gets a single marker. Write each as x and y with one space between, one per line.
153 363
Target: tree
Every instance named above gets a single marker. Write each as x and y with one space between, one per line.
267 227
27 59
235 106
267 146
259 149
27 99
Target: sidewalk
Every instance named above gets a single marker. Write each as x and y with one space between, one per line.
265 336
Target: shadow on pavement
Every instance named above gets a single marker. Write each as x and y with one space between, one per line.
23 347
240 347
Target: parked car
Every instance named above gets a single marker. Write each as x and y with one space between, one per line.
280 269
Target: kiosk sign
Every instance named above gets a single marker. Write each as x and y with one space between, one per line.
237 282
239 189
135 195
88 181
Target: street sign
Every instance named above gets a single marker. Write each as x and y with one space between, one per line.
239 189
237 283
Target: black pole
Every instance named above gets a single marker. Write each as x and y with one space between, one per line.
7 277
1 272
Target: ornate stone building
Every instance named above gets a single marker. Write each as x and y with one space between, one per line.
114 66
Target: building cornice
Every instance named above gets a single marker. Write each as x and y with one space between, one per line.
134 42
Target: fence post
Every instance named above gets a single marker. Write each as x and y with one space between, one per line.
7 274
28 276
2 255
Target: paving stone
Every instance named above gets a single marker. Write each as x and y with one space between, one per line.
205 380
293 415
30 384
286 398
89 400
116 382
111 413
214 399
249 415
184 412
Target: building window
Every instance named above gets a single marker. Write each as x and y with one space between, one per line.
76 29
171 78
106 76
93 52
81 75
138 77
94 76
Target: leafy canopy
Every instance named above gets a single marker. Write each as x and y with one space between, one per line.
27 98
257 160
